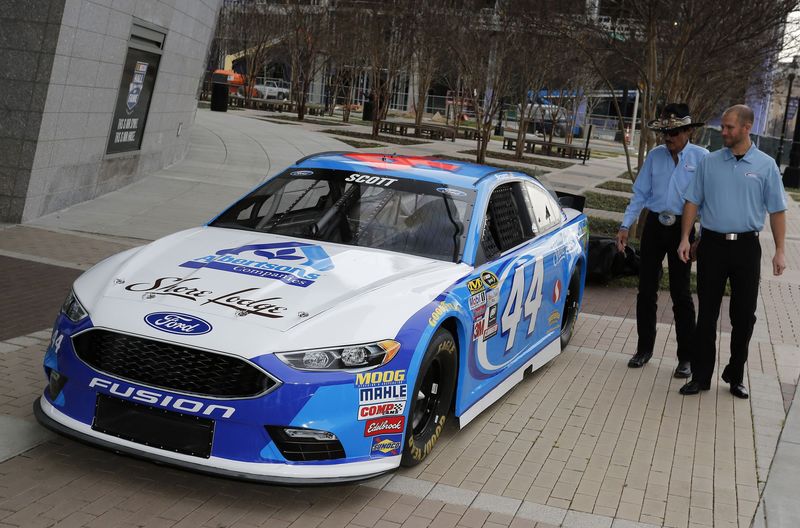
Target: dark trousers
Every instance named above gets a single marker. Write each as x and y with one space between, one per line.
717 261
659 240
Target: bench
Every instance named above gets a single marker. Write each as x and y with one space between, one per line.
547 148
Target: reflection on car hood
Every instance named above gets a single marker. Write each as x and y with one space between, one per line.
271 281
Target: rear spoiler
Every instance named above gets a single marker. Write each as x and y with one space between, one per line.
573 201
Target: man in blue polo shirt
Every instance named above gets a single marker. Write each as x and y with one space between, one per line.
736 187
660 186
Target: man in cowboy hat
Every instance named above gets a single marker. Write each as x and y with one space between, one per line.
659 187
736 186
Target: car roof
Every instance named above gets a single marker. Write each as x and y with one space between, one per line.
428 168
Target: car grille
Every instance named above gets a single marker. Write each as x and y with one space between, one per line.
170 366
304 449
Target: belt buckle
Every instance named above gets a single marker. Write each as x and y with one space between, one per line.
731 236
666 219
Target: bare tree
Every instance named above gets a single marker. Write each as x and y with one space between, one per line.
308 31
426 42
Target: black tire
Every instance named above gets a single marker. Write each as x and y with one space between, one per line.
281 96
570 314
431 398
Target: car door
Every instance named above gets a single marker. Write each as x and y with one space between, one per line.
514 287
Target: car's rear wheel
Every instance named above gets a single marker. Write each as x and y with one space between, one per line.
431 398
570 314
281 96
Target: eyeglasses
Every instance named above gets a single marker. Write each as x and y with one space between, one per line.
672 133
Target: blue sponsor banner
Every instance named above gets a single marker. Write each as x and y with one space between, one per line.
286 278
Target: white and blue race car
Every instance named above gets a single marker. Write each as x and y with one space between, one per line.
325 326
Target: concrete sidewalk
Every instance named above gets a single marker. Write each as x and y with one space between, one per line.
584 442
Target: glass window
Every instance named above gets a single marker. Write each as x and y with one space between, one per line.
543 207
397 214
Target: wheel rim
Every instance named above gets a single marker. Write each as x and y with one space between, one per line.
426 399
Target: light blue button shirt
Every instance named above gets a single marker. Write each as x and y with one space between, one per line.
661 183
736 196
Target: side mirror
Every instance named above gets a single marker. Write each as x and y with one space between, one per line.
572 201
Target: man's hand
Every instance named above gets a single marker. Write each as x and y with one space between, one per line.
622 240
778 263
693 250
684 250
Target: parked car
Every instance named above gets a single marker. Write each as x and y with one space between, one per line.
271 90
325 326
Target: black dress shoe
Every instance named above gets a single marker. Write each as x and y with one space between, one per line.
639 359
683 370
693 387
737 389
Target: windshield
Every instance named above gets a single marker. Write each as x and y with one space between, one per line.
397 214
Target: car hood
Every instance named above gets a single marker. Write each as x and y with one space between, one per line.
233 277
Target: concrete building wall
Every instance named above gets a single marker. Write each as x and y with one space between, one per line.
69 163
28 37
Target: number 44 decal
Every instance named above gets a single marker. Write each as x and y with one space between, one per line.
515 308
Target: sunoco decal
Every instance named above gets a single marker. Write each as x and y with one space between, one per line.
386 445
384 426
177 323
365 412
294 263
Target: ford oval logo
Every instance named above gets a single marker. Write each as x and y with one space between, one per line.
177 323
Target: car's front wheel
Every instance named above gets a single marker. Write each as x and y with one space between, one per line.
570 314
431 398
281 96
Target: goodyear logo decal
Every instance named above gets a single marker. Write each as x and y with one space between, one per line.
440 310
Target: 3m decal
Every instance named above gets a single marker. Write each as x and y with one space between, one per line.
477 329
384 425
475 286
557 290
386 445
364 379
381 394
490 279
370 179
377 410
293 263
440 310
237 300
177 323
479 299
162 400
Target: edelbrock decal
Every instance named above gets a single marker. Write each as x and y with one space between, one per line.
162 400
177 323
237 300
384 425
295 263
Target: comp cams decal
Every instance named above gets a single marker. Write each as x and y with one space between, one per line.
377 410
177 323
241 300
293 263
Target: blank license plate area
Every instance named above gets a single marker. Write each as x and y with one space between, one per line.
159 428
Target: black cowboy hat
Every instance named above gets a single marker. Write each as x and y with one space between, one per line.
674 116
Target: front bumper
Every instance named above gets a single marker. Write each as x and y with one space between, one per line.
53 419
241 447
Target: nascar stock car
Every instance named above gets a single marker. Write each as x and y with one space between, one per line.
325 326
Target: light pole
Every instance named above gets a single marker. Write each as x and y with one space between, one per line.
791 73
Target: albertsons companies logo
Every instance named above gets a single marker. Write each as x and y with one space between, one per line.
294 263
